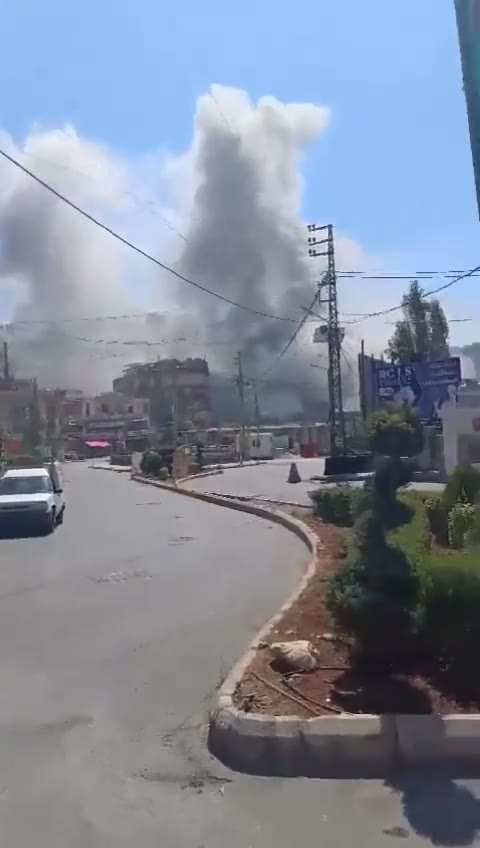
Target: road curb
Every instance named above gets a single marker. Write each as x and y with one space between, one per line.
343 745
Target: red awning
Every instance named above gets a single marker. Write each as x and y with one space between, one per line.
98 444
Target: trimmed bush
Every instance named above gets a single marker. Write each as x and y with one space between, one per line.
337 506
463 485
163 473
374 596
450 604
375 601
395 433
151 464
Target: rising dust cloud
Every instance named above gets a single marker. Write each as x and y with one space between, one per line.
234 196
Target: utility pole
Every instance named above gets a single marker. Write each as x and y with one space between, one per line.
334 334
240 382
6 364
175 409
257 412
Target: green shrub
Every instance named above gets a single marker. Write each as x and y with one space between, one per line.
375 602
374 596
463 484
335 506
151 464
395 433
461 520
450 605
163 473
437 517
473 535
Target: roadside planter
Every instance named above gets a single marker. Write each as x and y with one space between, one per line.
346 744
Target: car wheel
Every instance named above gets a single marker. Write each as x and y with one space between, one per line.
60 516
49 523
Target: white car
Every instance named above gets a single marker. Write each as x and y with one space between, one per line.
31 496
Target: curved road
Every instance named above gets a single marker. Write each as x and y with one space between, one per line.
114 633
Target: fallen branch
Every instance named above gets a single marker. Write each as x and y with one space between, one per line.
284 694
306 706
320 704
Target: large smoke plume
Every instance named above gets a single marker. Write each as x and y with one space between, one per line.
235 197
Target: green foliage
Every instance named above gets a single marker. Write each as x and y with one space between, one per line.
473 537
340 505
334 505
374 598
437 516
423 331
374 595
151 464
163 473
463 484
461 520
450 605
398 433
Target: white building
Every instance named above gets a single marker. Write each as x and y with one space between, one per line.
461 427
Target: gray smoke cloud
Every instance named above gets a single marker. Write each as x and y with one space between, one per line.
60 265
246 239
235 196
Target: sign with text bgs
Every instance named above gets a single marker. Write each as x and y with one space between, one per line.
423 386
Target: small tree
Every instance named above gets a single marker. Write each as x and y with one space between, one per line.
423 332
374 597
396 434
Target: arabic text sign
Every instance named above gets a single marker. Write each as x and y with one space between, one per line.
423 386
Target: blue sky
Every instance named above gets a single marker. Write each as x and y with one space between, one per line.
393 172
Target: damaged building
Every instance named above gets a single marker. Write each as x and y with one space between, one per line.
171 385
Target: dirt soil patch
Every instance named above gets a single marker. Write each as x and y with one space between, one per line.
339 685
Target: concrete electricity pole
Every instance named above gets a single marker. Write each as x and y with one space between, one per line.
257 412
240 382
334 334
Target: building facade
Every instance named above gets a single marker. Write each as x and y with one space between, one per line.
174 388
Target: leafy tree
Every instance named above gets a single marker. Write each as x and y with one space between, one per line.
423 332
396 434
439 332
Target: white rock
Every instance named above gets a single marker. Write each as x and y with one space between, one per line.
299 655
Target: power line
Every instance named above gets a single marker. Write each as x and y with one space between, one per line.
137 249
294 335
427 294
152 207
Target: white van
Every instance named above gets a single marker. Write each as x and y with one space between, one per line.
32 496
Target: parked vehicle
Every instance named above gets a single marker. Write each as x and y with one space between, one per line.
257 445
32 496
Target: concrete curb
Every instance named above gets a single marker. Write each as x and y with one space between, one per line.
212 470
341 745
260 500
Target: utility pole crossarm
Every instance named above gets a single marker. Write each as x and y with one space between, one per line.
337 418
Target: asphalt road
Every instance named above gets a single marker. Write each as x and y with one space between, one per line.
113 635
269 480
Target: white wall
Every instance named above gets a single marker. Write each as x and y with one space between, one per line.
457 421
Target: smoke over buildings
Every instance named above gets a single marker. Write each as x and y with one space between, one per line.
235 198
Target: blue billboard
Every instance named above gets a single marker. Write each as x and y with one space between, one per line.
423 386
468 23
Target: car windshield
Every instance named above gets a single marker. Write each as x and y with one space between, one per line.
25 485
